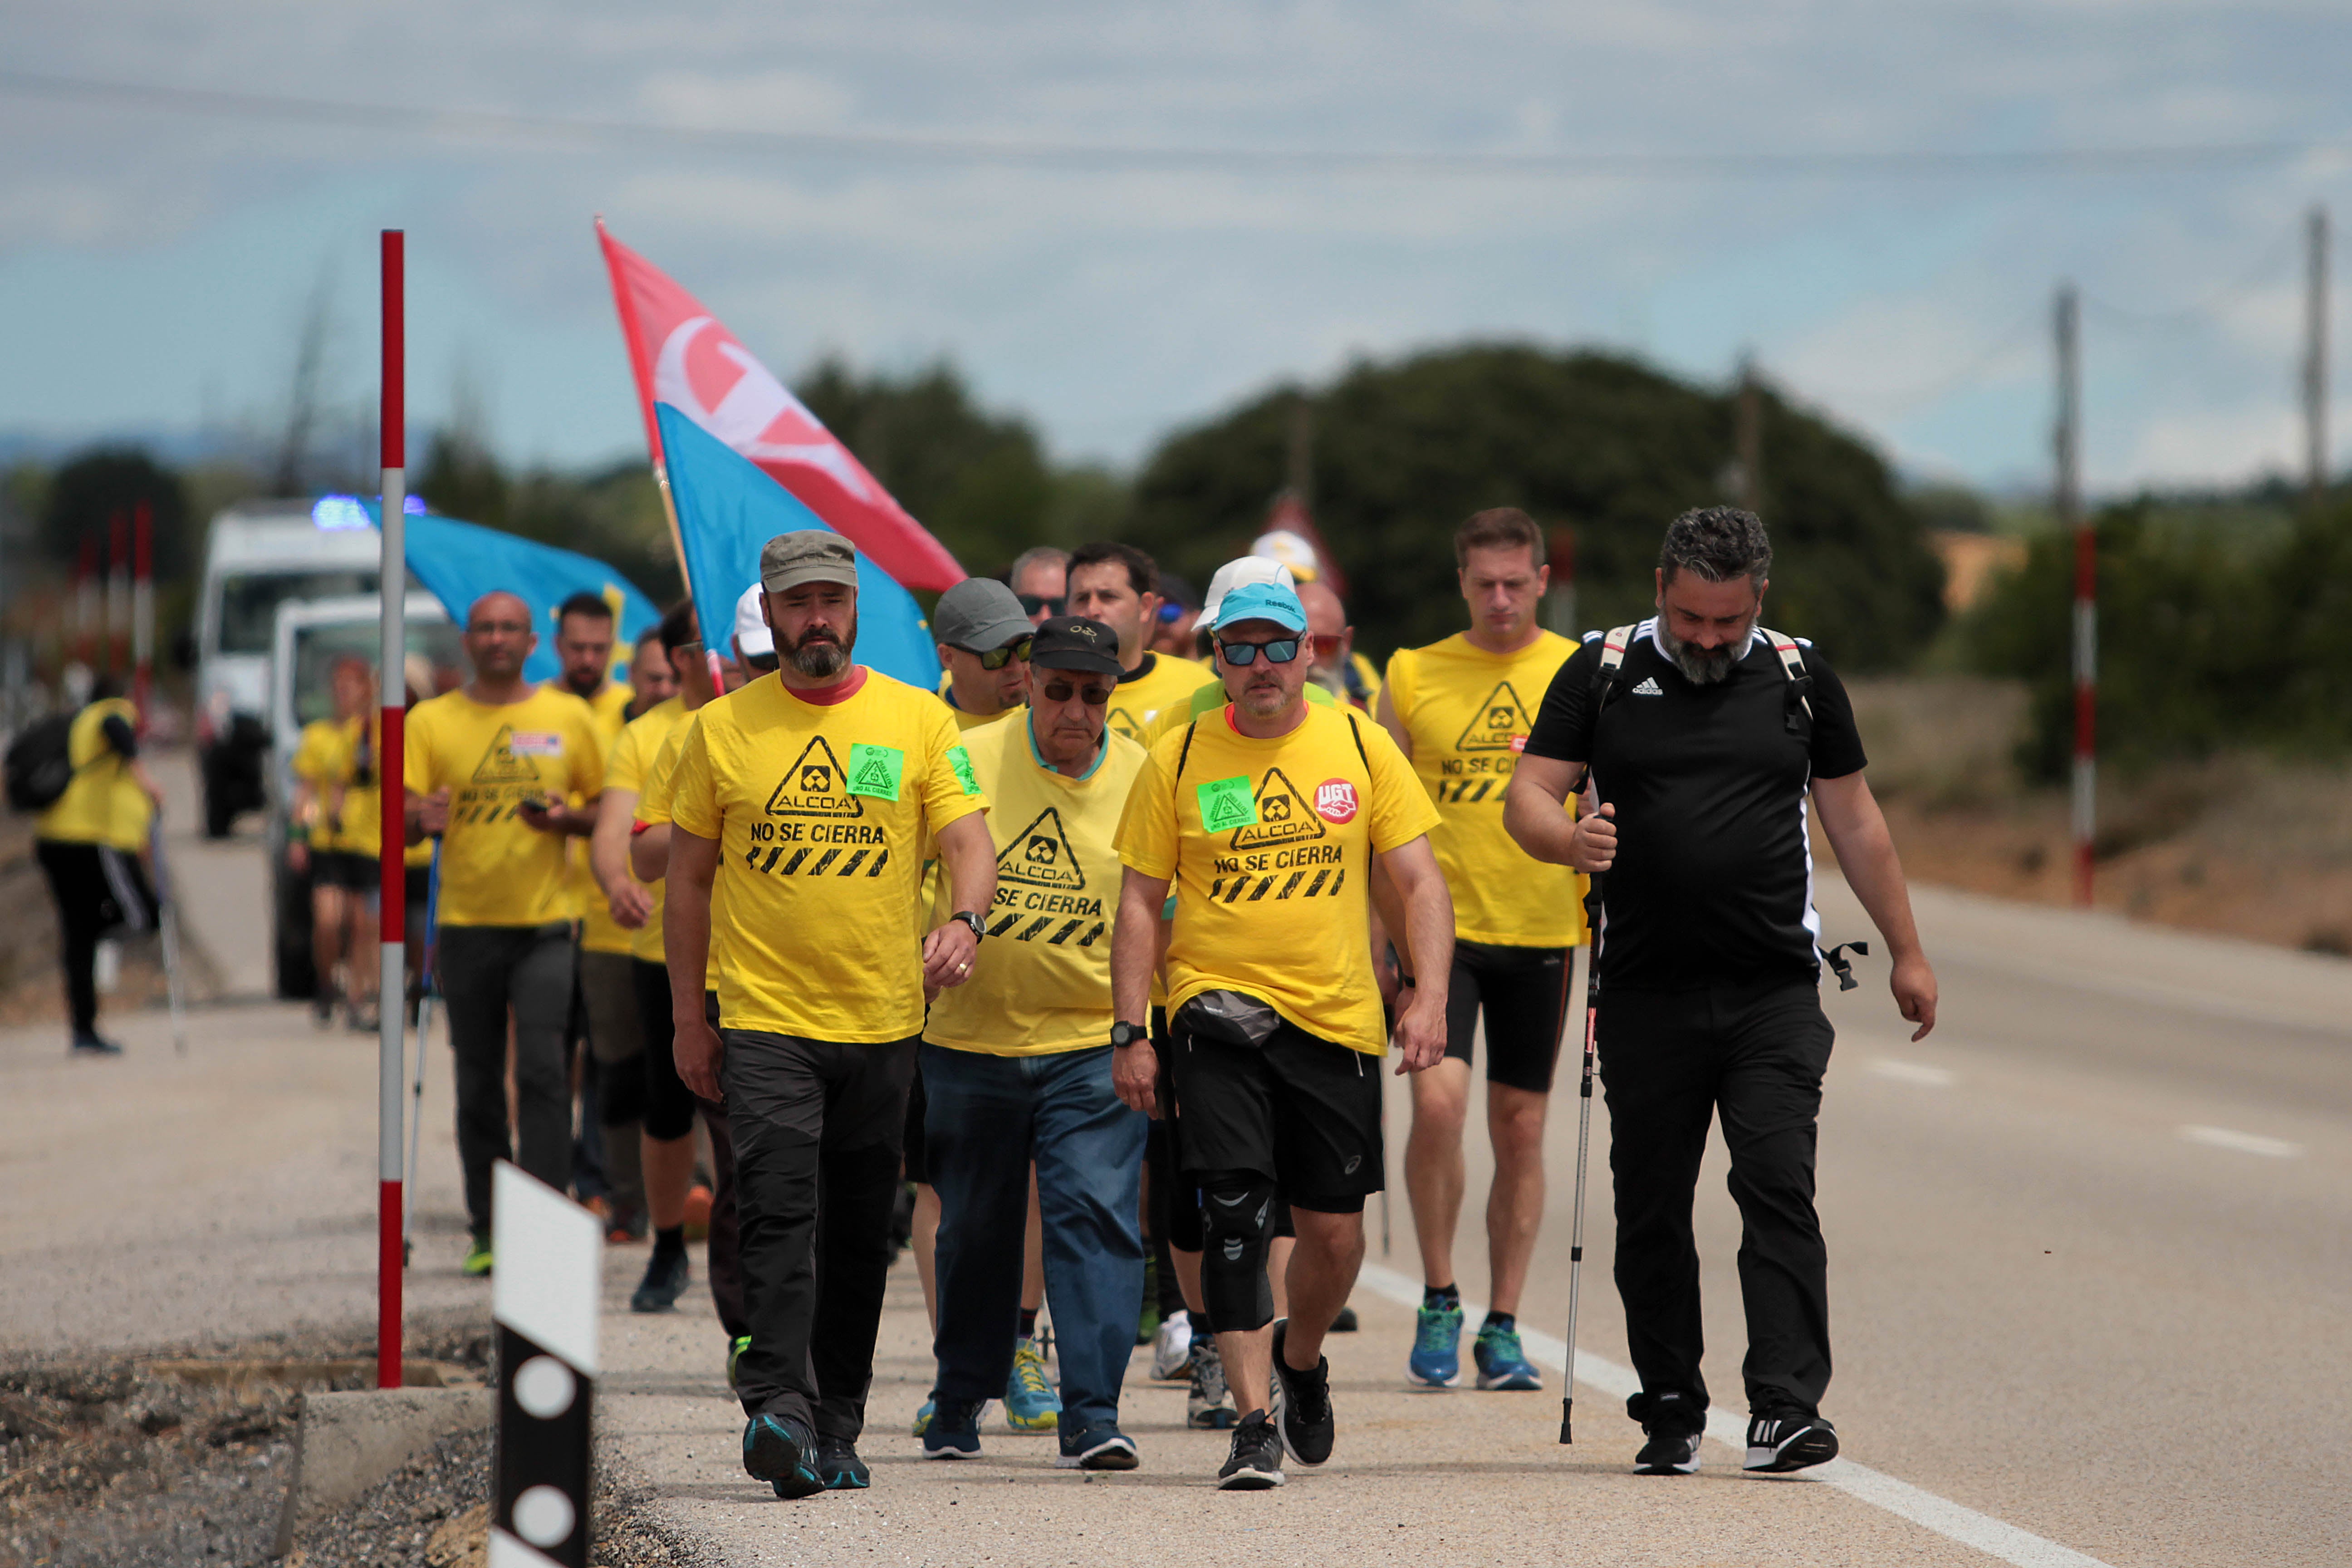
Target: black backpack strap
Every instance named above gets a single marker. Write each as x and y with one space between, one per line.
1186 752
1357 736
1801 680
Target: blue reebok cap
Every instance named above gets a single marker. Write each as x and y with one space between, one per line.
1262 602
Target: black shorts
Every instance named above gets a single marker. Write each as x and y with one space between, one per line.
668 1107
1176 1198
1524 992
345 869
1301 1110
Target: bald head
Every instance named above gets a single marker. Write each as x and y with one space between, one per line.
499 638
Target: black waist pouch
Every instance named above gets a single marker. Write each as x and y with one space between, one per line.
1229 1016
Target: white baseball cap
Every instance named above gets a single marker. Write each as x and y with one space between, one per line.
751 634
1234 574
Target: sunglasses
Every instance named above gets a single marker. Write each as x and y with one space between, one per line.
1063 691
1033 602
996 658
1241 655
1327 648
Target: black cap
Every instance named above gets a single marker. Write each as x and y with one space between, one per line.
1073 642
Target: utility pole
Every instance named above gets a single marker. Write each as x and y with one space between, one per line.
1751 438
2068 441
2315 362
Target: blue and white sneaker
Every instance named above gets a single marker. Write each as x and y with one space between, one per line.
1030 1402
781 1451
1501 1364
1099 1449
1436 1358
953 1432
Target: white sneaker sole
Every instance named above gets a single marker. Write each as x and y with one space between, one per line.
1251 1481
1078 1461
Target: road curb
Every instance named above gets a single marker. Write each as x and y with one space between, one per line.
345 1443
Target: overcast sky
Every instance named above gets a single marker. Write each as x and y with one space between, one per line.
154 262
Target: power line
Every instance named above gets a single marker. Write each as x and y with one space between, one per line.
1041 152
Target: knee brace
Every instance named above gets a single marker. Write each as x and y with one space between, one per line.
1236 1231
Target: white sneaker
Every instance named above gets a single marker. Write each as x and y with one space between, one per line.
1171 1351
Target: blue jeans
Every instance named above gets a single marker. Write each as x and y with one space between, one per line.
988 1117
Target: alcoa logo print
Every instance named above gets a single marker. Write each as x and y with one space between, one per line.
1335 801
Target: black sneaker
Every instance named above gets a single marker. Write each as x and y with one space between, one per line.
1673 1429
664 1282
1255 1464
1306 1422
1346 1322
781 1451
1780 1441
90 1043
839 1467
1097 1448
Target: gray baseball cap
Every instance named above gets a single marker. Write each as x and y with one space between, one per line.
807 555
979 614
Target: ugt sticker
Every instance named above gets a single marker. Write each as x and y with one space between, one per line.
876 770
1335 800
1227 803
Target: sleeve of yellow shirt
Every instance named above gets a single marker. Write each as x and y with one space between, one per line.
1402 809
951 786
1146 839
583 749
693 794
1398 683
417 751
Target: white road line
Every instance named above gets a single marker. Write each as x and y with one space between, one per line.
1729 1426
2243 1142
1912 1072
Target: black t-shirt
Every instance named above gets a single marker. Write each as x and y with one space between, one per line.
1712 883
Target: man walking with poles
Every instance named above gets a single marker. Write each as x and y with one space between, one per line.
1700 734
1269 816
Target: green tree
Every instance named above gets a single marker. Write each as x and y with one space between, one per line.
84 497
1611 448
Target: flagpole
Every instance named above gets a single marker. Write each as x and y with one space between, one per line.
390 760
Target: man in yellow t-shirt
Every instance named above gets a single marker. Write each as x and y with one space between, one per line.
491 768
89 842
1118 585
1461 710
816 790
335 768
1269 816
983 643
1016 1067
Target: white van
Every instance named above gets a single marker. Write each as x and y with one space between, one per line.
261 554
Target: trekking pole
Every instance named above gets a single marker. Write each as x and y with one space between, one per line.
1583 1138
168 917
424 1021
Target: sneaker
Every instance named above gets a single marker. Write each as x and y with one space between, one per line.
735 1349
366 1018
322 1011
1097 1448
664 1282
1345 1323
1255 1463
1786 1441
1308 1424
1030 1402
952 1432
1209 1407
90 1042
478 1257
839 1467
1172 1351
781 1451
1673 1426
923 1417
1436 1358
1500 1361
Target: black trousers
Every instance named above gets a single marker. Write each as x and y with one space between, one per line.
818 1126
97 889
484 970
1670 1061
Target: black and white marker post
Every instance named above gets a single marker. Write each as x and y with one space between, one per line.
545 1296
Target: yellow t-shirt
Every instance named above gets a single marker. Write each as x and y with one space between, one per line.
628 766
653 810
104 803
1043 983
1469 713
495 869
819 812
598 933
1160 682
1269 845
327 758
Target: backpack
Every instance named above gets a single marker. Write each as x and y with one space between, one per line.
39 764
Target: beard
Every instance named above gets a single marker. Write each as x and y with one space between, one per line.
1703 666
820 656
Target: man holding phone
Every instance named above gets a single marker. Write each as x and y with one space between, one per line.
490 768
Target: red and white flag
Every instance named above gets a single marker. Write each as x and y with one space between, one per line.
684 356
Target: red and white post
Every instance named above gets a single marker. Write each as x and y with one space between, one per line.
2086 590
391 754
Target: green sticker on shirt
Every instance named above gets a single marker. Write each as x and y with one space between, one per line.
1227 803
876 770
961 761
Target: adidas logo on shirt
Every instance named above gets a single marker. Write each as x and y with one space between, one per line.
1649 687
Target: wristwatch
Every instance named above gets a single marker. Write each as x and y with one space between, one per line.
978 927
1126 1034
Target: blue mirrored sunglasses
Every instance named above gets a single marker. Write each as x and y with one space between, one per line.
1282 650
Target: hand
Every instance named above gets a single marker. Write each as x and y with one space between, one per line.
433 813
630 906
699 1051
548 816
948 955
1420 1042
1135 1077
1914 984
1592 842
